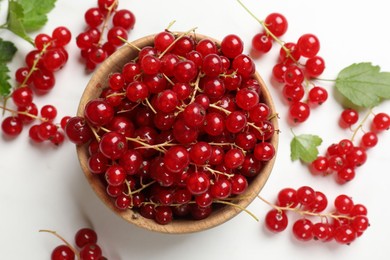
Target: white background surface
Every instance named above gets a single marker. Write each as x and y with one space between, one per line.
42 187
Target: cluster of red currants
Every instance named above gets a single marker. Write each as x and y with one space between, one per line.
344 225
297 64
344 157
37 76
180 128
94 44
86 248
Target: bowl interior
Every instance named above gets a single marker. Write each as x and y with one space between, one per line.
94 88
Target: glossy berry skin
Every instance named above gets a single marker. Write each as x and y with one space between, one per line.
306 195
12 126
61 36
231 46
84 236
293 75
299 112
318 95
302 229
200 153
221 188
115 175
98 112
261 42
369 140
22 96
308 45
349 117
198 183
62 252
264 151
381 122
343 204
90 251
176 158
244 65
344 234
287 197
320 165
276 221
124 18
314 66
78 130
276 23
113 145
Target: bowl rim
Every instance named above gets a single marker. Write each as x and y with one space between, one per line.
93 89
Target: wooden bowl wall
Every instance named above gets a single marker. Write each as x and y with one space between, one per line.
94 88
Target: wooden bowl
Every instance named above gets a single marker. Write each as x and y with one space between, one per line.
94 88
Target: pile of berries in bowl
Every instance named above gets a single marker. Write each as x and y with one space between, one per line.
176 132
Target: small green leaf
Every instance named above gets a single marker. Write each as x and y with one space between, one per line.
5 86
7 50
15 20
35 13
364 84
304 147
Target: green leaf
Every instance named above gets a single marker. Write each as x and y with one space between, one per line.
364 84
7 50
304 147
5 86
15 20
35 13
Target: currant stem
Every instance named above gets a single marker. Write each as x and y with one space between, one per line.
150 106
128 43
157 147
217 172
230 144
227 112
143 186
35 64
23 113
196 88
97 137
268 32
304 212
63 240
360 126
177 39
106 19
170 25
237 206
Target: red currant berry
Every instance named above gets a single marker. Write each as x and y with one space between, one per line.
62 252
84 236
12 126
381 122
308 45
299 112
343 204
124 18
276 23
314 66
231 46
303 229
262 42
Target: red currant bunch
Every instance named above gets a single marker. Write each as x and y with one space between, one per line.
86 247
37 76
182 127
343 157
297 64
95 43
347 222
